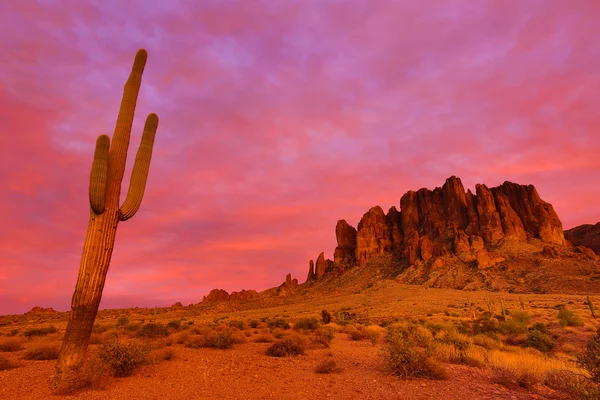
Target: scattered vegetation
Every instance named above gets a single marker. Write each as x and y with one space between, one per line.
152 330
42 351
10 345
326 367
122 358
40 331
568 317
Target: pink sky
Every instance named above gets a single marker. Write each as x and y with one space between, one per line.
277 118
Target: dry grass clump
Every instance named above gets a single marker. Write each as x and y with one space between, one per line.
323 336
122 358
524 368
93 375
568 317
10 344
287 347
572 385
152 331
218 340
42 351
165 354
307 324
6 363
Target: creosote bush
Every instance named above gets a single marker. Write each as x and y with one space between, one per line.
407 352
539 340
286 347
308 324
122 358
151 331
326 367
278 323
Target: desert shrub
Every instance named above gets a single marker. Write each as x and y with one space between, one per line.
237 324
97 328
324 336
123 320
407 352
512 326
123 359
285 348
6 363
325 316
573 385
93 375
10 344
539 340
326 367
486 325
278 323
254 324
174 325
373 333
308 324
539 326
42 351
221 340
568 317
133 328
151 331
195 342
590 358
166 354
264 338
40 331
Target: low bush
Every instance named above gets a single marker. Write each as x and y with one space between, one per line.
6 363
407 352
122 358
174 325
237 324
42 351
221 340
326 367
40 331
152 331
123 321
568 317
285 348
590 358
325 317
307 324
278 323
10 344
539 340
254 324
263 338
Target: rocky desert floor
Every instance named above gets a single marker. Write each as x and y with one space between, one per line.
220 352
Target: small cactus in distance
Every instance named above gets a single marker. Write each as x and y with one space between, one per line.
106 176
591 306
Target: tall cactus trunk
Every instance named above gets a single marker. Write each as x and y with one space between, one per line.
106 176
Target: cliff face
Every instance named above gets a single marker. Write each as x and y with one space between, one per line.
446 221
220 295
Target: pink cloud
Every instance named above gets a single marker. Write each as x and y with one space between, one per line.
276 120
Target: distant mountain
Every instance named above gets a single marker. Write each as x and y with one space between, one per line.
585 235
500 238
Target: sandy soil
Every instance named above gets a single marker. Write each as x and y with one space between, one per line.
245 372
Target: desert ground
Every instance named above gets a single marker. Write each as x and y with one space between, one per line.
472 348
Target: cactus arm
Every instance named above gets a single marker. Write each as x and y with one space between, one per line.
99 174
120 140
137 184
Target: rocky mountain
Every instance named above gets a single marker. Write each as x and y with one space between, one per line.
220 295
499 238
585 235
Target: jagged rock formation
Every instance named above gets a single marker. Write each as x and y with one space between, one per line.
585 235
220 295
288 286
446 221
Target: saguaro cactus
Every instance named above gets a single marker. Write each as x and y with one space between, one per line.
107 172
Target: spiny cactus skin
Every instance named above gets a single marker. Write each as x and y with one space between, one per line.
106 176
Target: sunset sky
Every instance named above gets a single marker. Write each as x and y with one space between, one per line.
277 118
